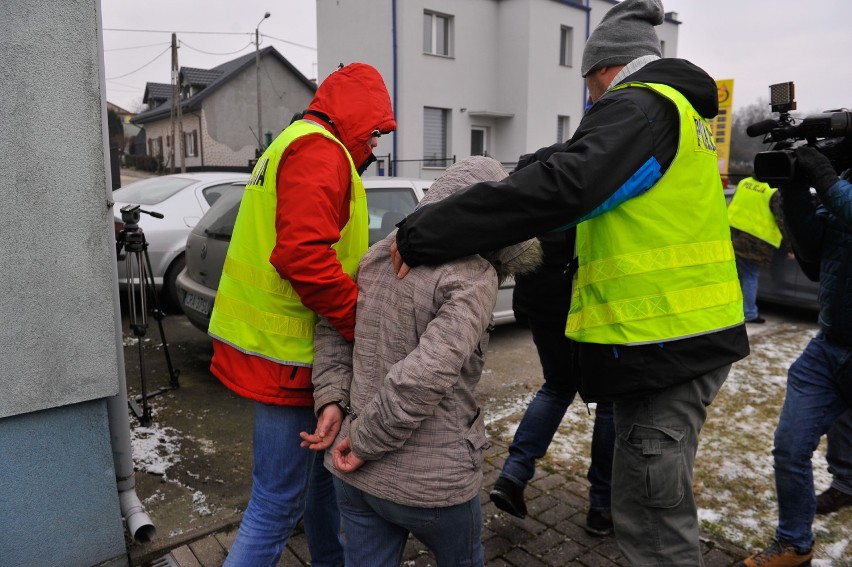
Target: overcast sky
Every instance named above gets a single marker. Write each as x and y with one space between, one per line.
754 43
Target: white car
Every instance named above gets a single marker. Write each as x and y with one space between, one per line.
181 199
389 200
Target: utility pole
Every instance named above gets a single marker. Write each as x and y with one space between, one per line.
176 114
260 141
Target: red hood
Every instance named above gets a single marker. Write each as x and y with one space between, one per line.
357 101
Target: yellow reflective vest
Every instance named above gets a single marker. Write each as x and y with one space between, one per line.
661 265
749 211
256 311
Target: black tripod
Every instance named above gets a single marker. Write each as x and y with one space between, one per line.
140 290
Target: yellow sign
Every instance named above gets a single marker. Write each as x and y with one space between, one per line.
721 125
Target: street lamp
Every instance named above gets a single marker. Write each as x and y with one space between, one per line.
257 75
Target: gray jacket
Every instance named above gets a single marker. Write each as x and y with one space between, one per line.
417 422
419 349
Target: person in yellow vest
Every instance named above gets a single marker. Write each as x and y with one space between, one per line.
656 308
757 229
299 235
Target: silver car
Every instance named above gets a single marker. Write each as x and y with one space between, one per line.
784 282
182 199
389 200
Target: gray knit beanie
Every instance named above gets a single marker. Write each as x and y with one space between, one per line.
625 33
520 258
465 172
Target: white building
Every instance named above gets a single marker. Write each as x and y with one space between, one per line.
466 77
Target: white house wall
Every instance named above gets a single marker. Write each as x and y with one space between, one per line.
230 114
554 90
367 40
227 121
504 68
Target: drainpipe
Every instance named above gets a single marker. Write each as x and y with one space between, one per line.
138 521
392 167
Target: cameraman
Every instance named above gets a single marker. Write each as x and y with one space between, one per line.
819 382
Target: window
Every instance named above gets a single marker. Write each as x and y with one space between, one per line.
563 124
437 34
213 193
566 46
190 143
478 141
434 136
387 206
155 146
662 48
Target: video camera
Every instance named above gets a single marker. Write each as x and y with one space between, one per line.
829 132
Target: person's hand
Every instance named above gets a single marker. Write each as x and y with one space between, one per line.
816 168
399 265
343 458
328 426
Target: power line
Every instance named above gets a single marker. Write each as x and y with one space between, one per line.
143 66
185 44
135 47
290 42
213 33
178 31
126 90
123 84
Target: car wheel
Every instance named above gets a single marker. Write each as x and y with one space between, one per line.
171 301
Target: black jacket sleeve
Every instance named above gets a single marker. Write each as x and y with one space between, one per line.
621 133
803 224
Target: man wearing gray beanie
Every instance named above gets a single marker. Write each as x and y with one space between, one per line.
625 33
656 312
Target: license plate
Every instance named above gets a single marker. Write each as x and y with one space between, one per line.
197 303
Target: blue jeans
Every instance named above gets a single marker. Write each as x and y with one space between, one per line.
748 272
287 483
812 405
653 506
839 453
377 529
545 413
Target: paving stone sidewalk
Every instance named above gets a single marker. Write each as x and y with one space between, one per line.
551 535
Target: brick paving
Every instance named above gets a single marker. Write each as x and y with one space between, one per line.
551 535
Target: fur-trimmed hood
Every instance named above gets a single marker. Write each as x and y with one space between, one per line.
517 259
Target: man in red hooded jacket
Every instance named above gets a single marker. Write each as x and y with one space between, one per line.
299 235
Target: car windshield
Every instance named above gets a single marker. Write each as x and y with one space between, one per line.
151 191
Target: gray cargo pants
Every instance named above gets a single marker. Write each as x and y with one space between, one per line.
653 508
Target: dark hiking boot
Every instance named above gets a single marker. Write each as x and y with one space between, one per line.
832 500
509 497
598 523
778 554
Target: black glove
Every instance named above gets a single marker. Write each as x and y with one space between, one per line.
816 168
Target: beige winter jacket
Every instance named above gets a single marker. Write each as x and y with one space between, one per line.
417 358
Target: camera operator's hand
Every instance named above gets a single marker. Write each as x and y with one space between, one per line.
816 167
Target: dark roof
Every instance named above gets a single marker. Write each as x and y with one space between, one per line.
198 77
157 91
221 75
